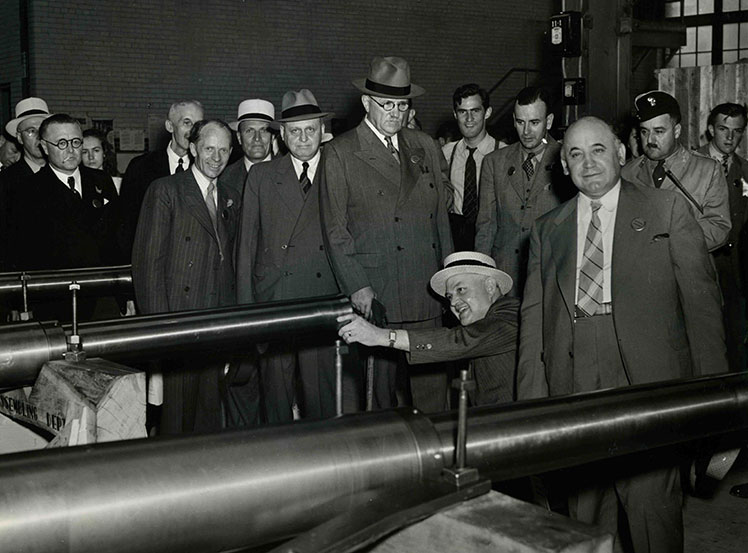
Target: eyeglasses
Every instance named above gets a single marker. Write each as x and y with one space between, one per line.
30 132
63 143
389 105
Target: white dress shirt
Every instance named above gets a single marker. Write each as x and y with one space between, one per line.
381 137
607 215
313 164
64 179
456 154
174 159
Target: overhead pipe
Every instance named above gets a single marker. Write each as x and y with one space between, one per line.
239 489
94 281
25 347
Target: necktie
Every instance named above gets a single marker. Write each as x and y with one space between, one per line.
527 166
726 163
71 184
391 148
180 167
306 184
591 272
658 175
210 202
470 198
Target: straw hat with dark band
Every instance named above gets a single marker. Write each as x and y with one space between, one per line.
469 263
26 108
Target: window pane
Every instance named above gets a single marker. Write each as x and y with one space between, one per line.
690 40
705 38
730 5
674 61
672 9
730 56
689 7
744 35
730 36
704 59
743 54
706 6
688 60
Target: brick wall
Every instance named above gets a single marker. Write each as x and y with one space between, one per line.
126 60
11 68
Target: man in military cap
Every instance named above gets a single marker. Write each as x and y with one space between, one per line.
667 164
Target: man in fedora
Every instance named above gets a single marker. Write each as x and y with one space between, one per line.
30 112
476 291
620 291
384 212
254 132
281 256
668 164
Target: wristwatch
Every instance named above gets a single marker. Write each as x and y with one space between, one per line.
393 337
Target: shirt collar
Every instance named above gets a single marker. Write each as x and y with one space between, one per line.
202 181
33 165
248 164
297 164
485 146
380 136
64 177
715 154
174 158
609 201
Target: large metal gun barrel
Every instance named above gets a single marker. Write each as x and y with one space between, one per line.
224 491
24 348
94 281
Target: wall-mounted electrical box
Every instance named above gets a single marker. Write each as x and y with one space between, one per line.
574 92
566 34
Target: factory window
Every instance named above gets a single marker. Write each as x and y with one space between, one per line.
716 31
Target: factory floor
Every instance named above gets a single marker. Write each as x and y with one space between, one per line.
719 524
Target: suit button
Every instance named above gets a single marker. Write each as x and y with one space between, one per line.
516 251
286 273
319 275
190 264
186 288
431 215
397 219
571 355
522 207
431 184
187 238
399 248
284 246
321 248
428 346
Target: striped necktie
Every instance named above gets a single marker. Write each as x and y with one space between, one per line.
391 148
590 295
306 184
470 192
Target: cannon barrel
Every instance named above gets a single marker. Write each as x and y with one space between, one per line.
245 488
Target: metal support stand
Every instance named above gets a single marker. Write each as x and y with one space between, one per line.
340 349
459 474
26 314
75 346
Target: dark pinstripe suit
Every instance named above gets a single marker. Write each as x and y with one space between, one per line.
177 265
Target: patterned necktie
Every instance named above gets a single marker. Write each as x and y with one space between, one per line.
658 175
71 184
726 163
391 148
210 202
180 167
306 184
527 166
470 198
590 295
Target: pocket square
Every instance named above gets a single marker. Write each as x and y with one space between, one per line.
658 237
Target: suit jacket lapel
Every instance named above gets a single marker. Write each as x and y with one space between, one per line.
411 163
628 244
374 153
196 202
288 188
515 172
563 241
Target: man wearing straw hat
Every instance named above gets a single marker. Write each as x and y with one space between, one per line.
384 212
281 256
476 291
254 132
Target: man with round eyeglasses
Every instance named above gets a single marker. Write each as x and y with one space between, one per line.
384 214
69 210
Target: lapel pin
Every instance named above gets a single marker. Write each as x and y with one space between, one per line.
98 190
638 224
96 203
229 202
415 159
380 192
511 171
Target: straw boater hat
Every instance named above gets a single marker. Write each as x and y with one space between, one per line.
255 109
26 108
389 77
471 263
300 106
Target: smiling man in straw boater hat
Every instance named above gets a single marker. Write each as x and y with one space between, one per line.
385 218
281 256
476 291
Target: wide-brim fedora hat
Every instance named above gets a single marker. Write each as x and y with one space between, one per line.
25 109
254 109
389 77
300 105
468 262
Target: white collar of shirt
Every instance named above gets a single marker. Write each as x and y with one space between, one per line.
64 179
33 165
248 164
203 182
381 137
607 215
485 146
718 156
174 159
313 164
538 155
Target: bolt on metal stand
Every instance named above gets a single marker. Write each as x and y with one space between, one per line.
460 474
26 314
75 346
340 350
